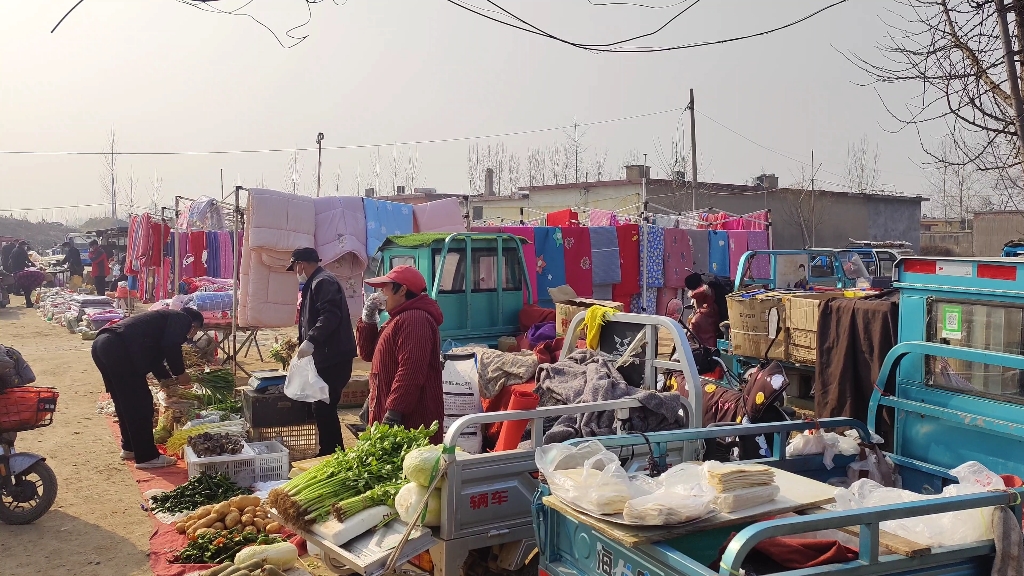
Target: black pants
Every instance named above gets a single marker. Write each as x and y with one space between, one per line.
133 401
100 282
28 298
326 413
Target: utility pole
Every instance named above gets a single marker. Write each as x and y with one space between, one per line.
693 153
221 183
1011 69
319 152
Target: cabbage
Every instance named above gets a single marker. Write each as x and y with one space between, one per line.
418 465
408 500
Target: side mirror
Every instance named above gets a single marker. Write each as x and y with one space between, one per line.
773 323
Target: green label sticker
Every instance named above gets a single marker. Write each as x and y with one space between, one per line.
952 321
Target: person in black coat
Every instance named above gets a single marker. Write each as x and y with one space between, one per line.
325 333
125 353
5 254
19 260
73 260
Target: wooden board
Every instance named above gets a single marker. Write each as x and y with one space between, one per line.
797 493
897 544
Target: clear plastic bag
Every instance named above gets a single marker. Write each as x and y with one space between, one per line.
933 530
975 474
666 507
874 465
828 444
587 476
303 383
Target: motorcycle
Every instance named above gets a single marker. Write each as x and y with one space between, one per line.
28 486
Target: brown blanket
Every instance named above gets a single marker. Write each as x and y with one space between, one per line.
854 336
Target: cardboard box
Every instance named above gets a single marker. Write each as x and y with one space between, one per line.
802 325
803 347
748 325
356 392
568 305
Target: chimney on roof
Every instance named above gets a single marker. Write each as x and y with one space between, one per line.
369 193
489 182
637 172
768 181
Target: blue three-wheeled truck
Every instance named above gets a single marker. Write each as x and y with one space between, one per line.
954 392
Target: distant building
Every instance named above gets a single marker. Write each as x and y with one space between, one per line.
992 230
799 217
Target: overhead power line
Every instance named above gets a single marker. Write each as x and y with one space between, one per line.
615 47
350 146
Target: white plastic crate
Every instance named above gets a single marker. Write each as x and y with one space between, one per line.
272 461
241 468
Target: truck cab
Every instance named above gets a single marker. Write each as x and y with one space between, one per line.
478 279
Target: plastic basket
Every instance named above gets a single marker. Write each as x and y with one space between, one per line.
271 461
241 468
28 407
301 440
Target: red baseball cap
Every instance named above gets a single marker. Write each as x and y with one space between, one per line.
405 275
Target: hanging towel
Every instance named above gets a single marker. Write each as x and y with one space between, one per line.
600 217
756 221
648 305
604 292
604 243
595 319
700 250
732 224
185 256
529 255
439 216
212 258
665 221
385 219
718 252
159 233
197 248
629 264
678 257
579 268
550 260
565 217
737 248
652 240
761 267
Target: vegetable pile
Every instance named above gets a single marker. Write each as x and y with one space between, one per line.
243 512
218 546
284 351
419 466
358 478
216 386
207 444
197 492
177 441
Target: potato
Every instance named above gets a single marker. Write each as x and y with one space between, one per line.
190 524
204 523
221 510
203 512
253 501
262 515
181 527
218 526
235 502
232 519
273 528
247 520
259 523
250 529
251 510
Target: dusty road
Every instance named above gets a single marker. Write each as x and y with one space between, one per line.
96 526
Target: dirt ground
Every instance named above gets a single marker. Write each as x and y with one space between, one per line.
96 526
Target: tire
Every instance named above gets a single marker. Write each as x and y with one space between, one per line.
41 474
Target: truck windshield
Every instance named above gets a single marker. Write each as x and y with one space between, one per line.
853 267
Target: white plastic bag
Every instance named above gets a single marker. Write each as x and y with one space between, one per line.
666 507
933 530
587 476
303 383
828 444
975 474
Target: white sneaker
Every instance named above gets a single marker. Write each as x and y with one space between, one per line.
126 455
158 462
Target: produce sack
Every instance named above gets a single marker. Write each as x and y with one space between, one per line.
587 476
303 384
461 391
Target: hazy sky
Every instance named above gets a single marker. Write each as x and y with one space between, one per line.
169 77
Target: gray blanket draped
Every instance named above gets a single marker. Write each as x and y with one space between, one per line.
587 376
604 248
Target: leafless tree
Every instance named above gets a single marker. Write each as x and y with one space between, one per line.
673 161
862 167
261 182
337 181
412 171
376 171
108 176
293 173
129 197
359 179
156 192
956 189
952 52
631 158
807 207
597 168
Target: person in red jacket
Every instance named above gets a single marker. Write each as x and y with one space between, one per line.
405 376
100 267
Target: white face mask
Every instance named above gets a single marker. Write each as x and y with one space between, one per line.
302 278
